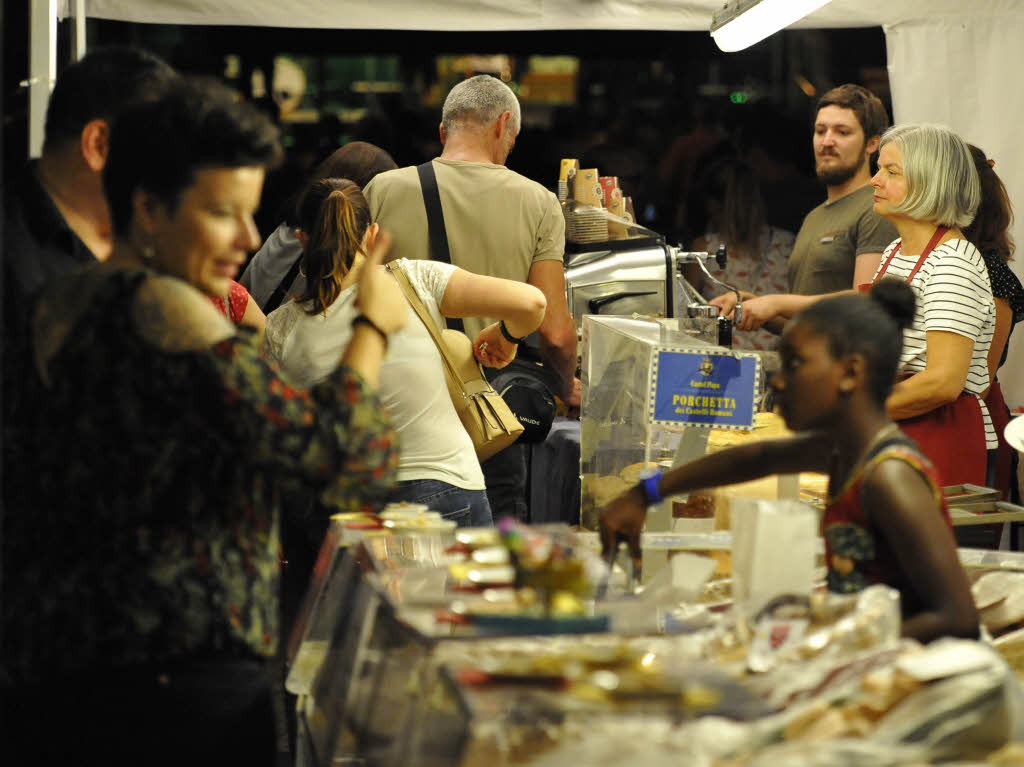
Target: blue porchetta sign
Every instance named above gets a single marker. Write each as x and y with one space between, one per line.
704 388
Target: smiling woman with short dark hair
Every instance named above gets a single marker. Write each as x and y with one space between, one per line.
142 555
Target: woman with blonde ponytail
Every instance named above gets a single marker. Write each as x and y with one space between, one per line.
437 463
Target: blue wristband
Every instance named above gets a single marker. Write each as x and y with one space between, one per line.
650 488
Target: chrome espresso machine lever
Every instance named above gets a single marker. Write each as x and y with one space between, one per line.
697 309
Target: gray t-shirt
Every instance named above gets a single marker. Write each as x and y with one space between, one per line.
830 239
271 265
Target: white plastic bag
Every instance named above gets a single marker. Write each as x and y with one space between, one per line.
773 550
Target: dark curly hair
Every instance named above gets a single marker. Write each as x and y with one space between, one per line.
197 124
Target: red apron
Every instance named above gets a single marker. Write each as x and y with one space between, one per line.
952 437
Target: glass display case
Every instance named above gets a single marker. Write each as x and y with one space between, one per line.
652 389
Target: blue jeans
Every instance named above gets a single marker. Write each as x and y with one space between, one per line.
467 508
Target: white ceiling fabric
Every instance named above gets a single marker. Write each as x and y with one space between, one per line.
492 15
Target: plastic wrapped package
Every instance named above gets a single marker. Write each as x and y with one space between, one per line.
840 752
847 644
958 713
954 699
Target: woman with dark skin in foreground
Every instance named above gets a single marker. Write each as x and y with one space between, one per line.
886 521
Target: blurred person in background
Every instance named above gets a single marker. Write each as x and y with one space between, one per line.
989 232
757 253
141 564
273 275
56 218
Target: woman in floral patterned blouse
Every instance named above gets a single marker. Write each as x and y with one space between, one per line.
141 557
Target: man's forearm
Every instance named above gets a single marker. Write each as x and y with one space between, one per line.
561 358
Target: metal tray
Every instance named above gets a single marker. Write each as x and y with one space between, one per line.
959 495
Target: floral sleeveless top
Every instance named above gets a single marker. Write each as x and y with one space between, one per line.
856 553
143 487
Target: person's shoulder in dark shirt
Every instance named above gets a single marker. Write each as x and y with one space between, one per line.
38 243
38 246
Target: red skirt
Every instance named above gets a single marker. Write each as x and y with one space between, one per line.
952 437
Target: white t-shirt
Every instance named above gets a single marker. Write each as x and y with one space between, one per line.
433 442
953 295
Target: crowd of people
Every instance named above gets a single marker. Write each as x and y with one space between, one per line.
165 425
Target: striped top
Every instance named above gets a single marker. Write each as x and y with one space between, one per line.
953 295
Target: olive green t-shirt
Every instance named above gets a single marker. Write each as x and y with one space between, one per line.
830 239
498 222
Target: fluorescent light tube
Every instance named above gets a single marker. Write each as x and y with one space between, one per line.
742 23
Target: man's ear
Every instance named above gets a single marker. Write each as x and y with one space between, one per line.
95 144
302 237
872 145
442 133
501 124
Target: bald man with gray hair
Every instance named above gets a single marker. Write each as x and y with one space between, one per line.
498 223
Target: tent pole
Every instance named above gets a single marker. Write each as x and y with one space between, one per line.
77 30
42 68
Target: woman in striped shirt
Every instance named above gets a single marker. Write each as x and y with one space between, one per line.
927 186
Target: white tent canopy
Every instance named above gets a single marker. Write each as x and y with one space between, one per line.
950 61
496 15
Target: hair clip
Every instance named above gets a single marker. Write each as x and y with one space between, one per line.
991 163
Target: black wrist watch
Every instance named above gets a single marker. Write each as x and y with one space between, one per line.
508 336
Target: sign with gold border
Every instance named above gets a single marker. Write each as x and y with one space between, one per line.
706 387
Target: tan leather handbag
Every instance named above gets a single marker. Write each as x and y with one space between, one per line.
484 414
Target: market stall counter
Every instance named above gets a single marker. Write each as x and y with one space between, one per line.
488 647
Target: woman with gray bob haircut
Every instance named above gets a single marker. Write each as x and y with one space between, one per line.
942 181
927 187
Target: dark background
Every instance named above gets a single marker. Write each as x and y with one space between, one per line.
650 107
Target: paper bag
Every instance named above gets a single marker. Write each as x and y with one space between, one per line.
774 544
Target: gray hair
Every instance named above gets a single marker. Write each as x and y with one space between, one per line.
942 181
479 100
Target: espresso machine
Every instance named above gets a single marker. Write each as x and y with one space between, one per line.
644 276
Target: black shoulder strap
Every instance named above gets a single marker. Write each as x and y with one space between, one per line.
278 295
439 250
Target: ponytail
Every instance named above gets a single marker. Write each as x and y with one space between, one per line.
335 216
990 230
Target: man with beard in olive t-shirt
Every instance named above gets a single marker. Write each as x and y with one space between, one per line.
840 242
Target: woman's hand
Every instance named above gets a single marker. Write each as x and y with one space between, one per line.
492 349
379 296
